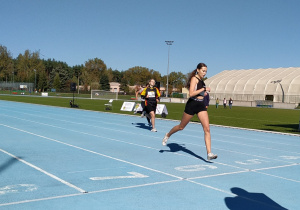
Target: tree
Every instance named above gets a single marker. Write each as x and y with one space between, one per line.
62 69
43 82
92 71
117 76
96 68
6 63
77 72
140 75
124 85
28 67
104 83
56 82
114 75
156 75
26 64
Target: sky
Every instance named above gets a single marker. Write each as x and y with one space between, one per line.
224 34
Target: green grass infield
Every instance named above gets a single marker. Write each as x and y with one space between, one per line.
266 119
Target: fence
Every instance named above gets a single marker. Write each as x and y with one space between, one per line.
17 86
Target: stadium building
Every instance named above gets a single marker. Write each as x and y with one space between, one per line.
255 87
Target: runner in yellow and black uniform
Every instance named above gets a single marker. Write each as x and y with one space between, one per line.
151 95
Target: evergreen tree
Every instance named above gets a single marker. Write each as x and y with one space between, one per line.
56 82
43 82
104 82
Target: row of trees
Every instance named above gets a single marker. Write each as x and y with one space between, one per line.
47 74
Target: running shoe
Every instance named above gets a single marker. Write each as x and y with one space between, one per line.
165 139
211 156
153 130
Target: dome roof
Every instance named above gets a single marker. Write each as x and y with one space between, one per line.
257 83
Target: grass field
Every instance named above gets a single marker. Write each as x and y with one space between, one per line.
268 119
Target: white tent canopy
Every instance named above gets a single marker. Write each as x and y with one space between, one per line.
276 84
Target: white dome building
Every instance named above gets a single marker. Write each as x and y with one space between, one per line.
270 85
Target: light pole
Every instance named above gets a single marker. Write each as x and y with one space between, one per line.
278 81
13 76
169 43
34 79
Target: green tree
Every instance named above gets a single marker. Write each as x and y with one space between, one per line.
56 82
117 76
156 75
77 72
63 71
92 72
140 75
26 64
104 82
124 85
109 73
43 81
6 64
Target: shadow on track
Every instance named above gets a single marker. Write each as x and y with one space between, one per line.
248 201
177 147
142 125
7 164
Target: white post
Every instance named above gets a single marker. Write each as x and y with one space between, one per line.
168 43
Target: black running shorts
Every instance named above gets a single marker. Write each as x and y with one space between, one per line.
194 107
151 106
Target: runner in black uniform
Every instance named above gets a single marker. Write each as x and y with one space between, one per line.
144 107
151 95
196 105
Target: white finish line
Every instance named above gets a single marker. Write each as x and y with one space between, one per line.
135 175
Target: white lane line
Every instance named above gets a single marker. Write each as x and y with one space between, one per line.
160 119
126 142
92 192
139 145
114 130
93 152
232 194
218 163
259 169
45 172
135 186
40 199
280 177
255 146
133 175
250 170
217 140
214 175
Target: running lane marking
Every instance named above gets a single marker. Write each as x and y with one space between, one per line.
45 172
91 192
93 152
134 175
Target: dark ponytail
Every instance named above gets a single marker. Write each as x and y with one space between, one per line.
193 73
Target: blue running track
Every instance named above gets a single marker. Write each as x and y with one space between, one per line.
61 158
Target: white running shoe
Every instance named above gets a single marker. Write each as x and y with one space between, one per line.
165 139
211 156
153 130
